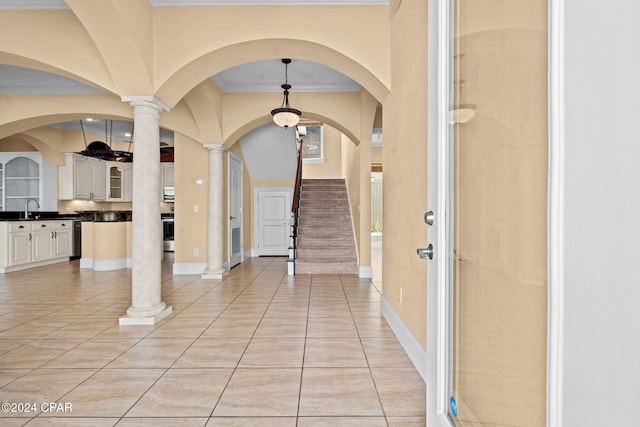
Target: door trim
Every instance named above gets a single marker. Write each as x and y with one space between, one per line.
555 215
229 238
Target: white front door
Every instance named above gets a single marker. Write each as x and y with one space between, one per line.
235 210
274 217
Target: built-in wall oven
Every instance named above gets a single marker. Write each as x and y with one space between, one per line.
167 234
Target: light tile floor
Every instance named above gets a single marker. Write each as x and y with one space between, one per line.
258 348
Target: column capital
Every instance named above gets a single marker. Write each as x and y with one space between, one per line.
147 100
215 147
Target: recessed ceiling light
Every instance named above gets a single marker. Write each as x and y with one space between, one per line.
89 119
127 134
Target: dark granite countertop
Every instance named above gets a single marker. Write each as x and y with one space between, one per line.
105 216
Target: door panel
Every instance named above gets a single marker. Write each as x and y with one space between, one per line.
235 210
498 201
274 213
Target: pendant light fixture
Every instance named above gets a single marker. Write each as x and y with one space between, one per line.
286 116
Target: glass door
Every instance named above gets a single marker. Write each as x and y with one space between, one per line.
498 213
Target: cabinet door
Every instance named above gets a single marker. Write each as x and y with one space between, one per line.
62 243
82 187
99 180
41 245
115 180
127 182
19 248
168 176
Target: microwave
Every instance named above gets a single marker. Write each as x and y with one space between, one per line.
168 193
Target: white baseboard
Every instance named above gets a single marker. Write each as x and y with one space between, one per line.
365 272
111 264
248 254
86 262
411 345
189 267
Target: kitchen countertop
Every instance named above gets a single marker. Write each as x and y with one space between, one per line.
105 216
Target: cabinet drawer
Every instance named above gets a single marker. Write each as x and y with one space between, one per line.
63 225
18 226
42 225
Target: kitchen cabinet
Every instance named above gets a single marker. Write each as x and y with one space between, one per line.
83 178
120 181
168 176
34 243
26 176
19 245
62 243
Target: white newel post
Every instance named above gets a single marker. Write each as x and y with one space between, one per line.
215 220
147 306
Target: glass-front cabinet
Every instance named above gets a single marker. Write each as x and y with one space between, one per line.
119 179
24 177
22 183
115 182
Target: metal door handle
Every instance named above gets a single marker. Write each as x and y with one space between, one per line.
425 253
429 218
232 217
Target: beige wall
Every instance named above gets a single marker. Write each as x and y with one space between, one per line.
332 166
191 164
351 173
404 157
376 154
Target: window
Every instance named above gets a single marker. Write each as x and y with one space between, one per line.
312 145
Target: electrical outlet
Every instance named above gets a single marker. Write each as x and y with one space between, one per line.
196 252
196 208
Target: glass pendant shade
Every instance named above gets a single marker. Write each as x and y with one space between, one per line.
286 116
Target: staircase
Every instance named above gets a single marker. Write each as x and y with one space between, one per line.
325 242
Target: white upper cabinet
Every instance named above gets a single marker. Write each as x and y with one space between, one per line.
168 176
83 178
24 177
119 181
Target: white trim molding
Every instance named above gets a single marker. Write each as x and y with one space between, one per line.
189 268
409 343
555 215
365 271
111 264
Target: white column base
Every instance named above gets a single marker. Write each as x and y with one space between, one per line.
213 274
365 271
145 317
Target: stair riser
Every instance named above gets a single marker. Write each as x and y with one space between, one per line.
326 253
326 269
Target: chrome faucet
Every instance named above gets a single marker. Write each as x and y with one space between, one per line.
26 207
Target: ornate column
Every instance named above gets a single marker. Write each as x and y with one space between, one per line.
147 306
215 220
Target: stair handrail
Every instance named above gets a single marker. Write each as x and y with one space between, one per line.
298 185
295 208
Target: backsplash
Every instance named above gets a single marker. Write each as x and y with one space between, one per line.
71 206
